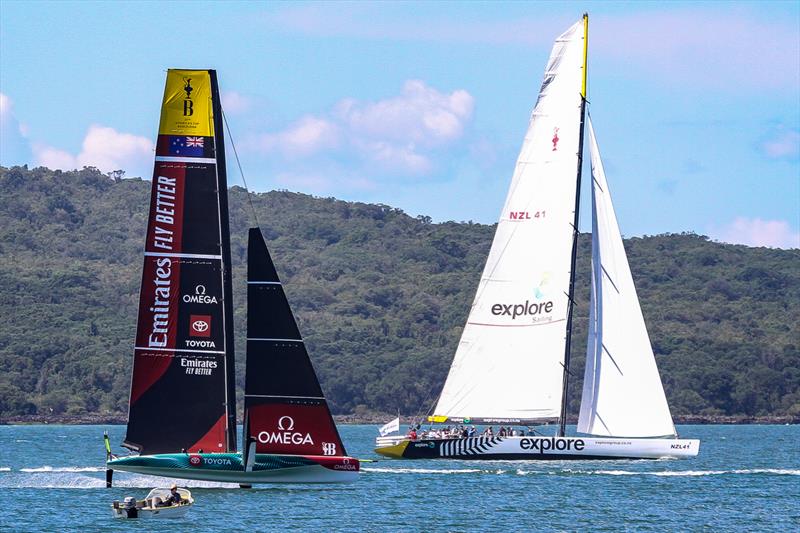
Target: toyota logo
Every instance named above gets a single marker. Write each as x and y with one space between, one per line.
200 326
195 460
286 423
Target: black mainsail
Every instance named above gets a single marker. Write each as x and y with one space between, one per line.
182 386
285 409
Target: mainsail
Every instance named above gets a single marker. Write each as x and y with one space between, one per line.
622 391
182 395
509 362
285 410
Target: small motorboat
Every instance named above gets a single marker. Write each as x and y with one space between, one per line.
153 505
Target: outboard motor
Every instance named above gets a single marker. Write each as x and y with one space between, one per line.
130 507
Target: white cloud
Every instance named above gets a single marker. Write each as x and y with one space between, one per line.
104 148
421 114
758 232
305 136
783 144
49 157
234 103
397 134
14 146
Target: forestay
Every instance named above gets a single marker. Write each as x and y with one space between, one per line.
622 391
508 365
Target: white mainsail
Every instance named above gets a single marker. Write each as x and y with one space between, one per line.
622 391
508 364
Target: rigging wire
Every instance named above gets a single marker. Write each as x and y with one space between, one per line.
241 172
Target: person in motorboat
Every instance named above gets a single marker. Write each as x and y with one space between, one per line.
174 498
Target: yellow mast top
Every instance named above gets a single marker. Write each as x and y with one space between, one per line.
585 51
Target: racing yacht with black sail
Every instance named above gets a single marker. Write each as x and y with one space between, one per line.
512 362
182 419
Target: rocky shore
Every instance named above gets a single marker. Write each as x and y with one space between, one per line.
379 419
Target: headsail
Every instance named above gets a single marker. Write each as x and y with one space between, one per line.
285 410
508 365
182 394
622 391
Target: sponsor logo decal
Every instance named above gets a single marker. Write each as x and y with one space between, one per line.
160 308
199 296
344 465
163 230
552 443
328 448
219 461
555 139
199 325
195 460
537 311
188 105
526 309
287 435
198 367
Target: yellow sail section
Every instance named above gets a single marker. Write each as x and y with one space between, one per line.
187 109
585 52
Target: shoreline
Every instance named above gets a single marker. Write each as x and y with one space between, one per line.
380 419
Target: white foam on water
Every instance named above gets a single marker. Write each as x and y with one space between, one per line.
46 468
73 480
521 472
690 473
426 470
148 482
5 469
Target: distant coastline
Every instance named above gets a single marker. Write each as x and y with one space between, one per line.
121 418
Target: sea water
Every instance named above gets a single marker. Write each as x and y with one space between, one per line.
746 478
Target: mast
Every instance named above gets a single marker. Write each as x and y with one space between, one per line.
575 233
227 285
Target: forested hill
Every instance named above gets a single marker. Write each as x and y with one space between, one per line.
380 296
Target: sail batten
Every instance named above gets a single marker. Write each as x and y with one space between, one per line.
501 370
622 391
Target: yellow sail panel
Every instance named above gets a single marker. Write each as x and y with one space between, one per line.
187 108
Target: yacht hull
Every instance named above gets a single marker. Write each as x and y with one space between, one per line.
227 467
537 448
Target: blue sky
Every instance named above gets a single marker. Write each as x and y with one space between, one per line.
423 106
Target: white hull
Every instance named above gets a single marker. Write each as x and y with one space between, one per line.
159 512
538 448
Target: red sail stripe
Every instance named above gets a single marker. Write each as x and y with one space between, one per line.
166 221
213 441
